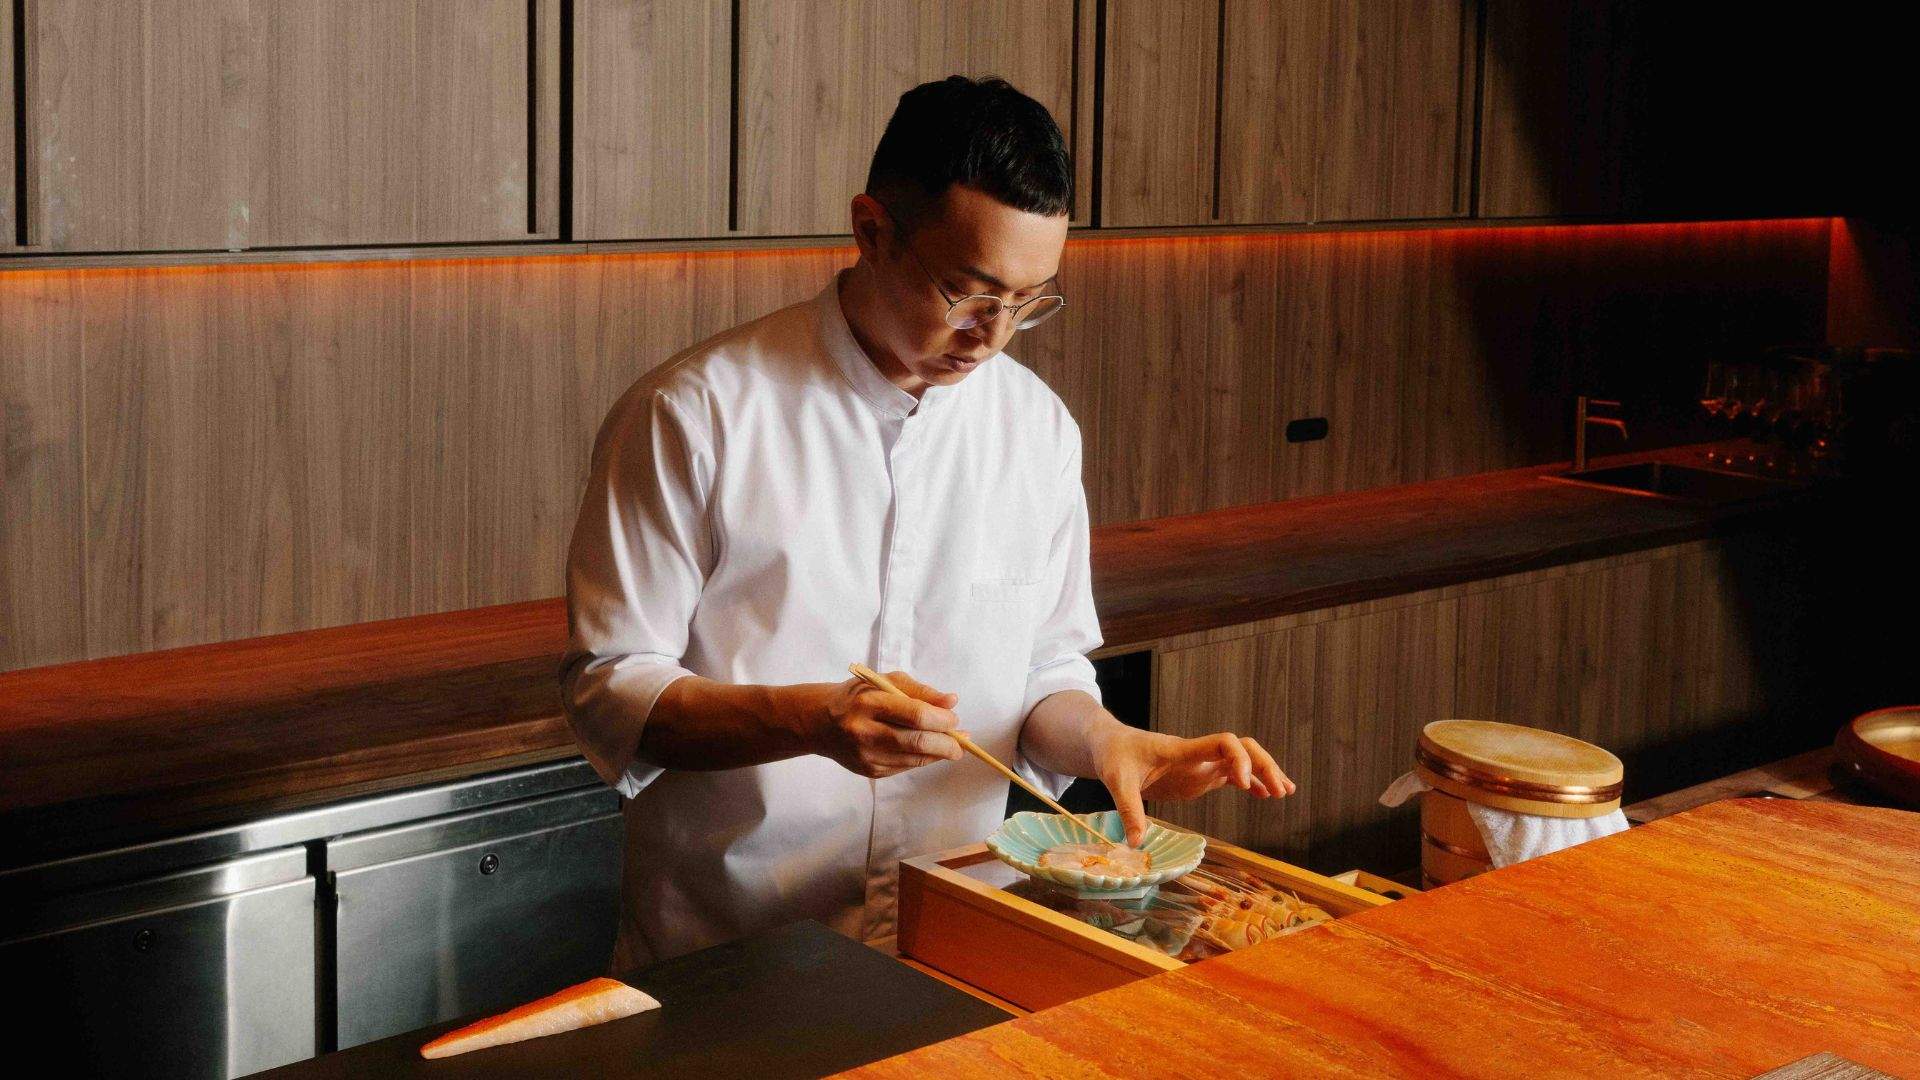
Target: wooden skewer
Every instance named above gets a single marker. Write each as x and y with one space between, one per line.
875 679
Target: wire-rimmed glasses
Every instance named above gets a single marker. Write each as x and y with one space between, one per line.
978 309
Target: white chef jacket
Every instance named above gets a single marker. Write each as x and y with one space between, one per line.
767 508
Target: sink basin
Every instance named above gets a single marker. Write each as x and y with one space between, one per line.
1686 483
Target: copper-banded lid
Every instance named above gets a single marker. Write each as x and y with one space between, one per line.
1519 768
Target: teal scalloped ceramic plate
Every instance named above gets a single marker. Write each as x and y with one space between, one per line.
1023 838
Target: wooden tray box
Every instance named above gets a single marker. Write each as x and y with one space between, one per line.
1035 957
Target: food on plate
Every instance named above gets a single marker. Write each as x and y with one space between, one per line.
595 1001
1112 860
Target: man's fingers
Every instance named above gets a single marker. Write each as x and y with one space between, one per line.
1133 814
1267 771
933 744
915 688
909 713
1239 764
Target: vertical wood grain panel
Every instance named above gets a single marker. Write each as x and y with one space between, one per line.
1557 108
239 423
42 531
1339 702
1161 86
1271 109
389 122
1152 345
1395 126
654 88
1244 360
1643 655
152 446
521 493
1086 33
174 124
1364 686
130 108
1239 686
8 198
439 432
819 80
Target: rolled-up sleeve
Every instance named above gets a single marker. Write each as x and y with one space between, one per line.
1069 628
640 553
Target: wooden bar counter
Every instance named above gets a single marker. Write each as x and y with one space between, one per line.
1721 942
124 748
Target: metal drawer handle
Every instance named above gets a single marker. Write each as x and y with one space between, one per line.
489 863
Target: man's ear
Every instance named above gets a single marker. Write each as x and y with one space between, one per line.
872 228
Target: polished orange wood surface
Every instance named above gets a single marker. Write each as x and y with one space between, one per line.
1721 942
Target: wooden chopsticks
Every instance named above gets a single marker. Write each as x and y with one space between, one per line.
875 679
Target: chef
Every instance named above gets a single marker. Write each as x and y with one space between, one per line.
864 476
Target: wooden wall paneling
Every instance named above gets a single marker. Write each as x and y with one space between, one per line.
1153 350
314 367
442 314
1244 364
1339 700
818 82
652 107
153 441
1239 686
130 113
1305 369
522 487
1396 123
1159 129
547 149
1270 109
396 123
1519 653
8 194
181 125
42 529
1065 353
1365 685
1086 38
1558 116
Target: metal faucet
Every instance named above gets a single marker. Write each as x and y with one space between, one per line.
1581 420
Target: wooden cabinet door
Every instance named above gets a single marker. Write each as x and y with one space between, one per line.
1340 110
188 124
818 81
1270 109
1396 121
1559 108
653 94
1339 702
1160 111
9 237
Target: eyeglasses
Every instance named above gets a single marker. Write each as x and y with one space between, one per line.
978 309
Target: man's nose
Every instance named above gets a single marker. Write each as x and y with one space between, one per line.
996 331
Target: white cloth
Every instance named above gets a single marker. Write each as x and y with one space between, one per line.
766 508
1513 837
1510 836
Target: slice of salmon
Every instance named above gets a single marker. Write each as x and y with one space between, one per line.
595 1001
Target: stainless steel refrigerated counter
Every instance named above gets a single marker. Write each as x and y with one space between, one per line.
236 949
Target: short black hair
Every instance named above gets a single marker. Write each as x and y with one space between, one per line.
982 133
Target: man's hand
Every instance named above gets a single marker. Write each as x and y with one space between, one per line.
876 734
1137 765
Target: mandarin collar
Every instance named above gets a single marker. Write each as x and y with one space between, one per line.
859 370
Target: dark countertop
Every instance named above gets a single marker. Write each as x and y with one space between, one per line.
797 1001
139 746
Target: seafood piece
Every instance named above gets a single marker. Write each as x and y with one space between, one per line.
1116 860
595 1001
